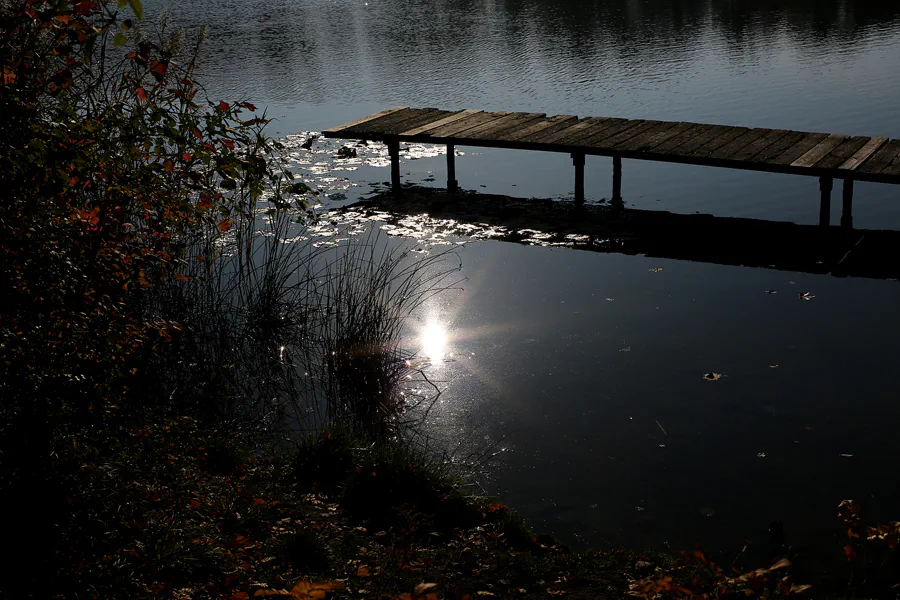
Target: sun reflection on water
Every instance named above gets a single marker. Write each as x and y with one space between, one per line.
434 342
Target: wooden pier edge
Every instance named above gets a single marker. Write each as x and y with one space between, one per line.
826 156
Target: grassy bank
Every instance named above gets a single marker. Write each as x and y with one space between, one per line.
173 508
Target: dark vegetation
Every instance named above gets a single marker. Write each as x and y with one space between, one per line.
158 353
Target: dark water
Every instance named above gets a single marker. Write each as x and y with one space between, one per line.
588 368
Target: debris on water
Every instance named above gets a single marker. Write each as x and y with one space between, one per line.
655 269
662 445
346 152
713 376
639 508
771 292
806 296
661 428
846 455
773 366
761 455
791 282
306 145
625 349
610 299
707 512
593 506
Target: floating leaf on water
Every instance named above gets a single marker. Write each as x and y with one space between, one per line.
639 508
713 376
806 296
655 269
847 455
761 455
771 292
610 299
773 366
707 512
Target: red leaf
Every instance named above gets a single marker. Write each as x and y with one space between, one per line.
229 143
240 596
186 157
84 7
850 552
224 225
223 106
141 94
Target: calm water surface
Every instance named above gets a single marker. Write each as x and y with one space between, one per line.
588 368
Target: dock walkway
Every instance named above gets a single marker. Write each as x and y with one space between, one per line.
822 155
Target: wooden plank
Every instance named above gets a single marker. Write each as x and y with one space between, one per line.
364 120
758 145
519 121
607 141
871 147
892 169
537 127
881 158
394 128
599 126
839 155
574 130
799 149
703 139
689 135
445 121
469 122
472 132
645 137
540 136
818 151
377 125
735 144
775 150
603 130
680 133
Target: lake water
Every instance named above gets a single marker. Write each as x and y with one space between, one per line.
587 368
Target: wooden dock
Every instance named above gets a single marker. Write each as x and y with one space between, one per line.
823 155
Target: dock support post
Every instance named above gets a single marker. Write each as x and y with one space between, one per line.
847 212
451 169
394 152
617 179
578 161
825 185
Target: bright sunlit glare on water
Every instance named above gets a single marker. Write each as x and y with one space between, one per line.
434 342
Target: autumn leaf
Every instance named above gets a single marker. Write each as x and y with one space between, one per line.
181 277
268 593
223 106
141 94
422 588
224 225
799 589
363 571
308 590
713 376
